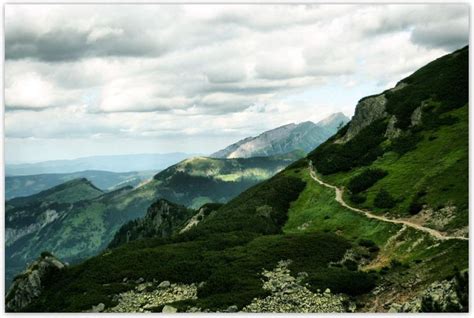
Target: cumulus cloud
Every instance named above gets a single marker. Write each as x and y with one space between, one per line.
149 71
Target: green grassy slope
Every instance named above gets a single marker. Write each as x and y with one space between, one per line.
227 250
426 166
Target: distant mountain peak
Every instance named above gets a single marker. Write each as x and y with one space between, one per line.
304 136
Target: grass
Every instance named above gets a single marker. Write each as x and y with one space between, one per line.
437 166
227 250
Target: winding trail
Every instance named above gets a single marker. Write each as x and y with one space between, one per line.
339 198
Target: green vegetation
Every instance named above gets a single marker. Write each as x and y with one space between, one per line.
361 150
365 180
444 80
20 186
384 200
227 250
163 219
290 216
79 220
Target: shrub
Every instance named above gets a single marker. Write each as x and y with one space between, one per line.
358 198
374 249
351 265
361 150
366 243
415 207
365 180
384 200
342 280
416 204
403 144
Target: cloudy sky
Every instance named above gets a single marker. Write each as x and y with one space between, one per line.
84 80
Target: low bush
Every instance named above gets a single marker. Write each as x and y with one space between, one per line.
358 198
384 200
365 180
403 144
361 150
366 243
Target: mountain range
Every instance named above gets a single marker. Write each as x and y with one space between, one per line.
111 163
304 136
76 219
375 219
20 186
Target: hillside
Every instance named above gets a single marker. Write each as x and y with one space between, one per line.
306 240
20 186
76 220
303 137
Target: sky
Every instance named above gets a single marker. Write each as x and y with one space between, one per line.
84 80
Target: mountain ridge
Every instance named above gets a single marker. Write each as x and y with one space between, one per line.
303 136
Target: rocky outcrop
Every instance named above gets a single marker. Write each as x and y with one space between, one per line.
367 111
28 285
416 116
203 212
152 297
440 296
392 131
288 294
162 219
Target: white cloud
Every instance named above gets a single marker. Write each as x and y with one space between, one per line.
150 71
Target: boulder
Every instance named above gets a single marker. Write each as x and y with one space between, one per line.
164 284
167 309
99 308
27 286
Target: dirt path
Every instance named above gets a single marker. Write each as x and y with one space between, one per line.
339 198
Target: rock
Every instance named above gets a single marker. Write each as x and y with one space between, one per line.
164 284
194 309
99 308
288 295
125 280
140 280
143 287
27 286
327 291
416 116
367 111
167 309
392 132
232 308
153 300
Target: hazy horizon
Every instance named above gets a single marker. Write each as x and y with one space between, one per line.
107 80
146 153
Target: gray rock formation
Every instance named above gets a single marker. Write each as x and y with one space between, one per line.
153 298
304 136
27 286
367 111
440 296
416 116
392 131
289 294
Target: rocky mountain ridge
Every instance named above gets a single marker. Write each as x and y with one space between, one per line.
304 137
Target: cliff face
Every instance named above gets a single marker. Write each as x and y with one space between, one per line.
367 111
28 285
